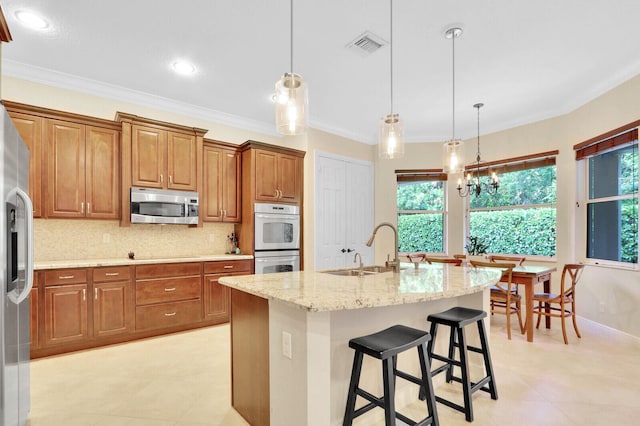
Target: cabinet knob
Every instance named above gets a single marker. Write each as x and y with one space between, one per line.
343 250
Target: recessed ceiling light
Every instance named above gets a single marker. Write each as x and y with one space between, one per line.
31 20
184 67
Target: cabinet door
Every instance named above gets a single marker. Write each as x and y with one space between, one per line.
266 175
181 159
66 171
102 183
111 311
216 299
231 169
211 202
289 178
30 130
65 314
148 152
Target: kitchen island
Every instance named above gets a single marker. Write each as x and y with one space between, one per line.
289 334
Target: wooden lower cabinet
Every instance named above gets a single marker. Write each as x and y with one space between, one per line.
81 308
66 312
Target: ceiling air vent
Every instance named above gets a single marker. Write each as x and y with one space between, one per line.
366 43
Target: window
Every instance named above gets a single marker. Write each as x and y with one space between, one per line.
421 210
612 197
521 217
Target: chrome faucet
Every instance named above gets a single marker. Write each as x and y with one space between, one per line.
360 266
396 261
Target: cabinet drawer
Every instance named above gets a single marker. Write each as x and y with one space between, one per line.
167 270
167 290
65 276
112 273
165 315
228 266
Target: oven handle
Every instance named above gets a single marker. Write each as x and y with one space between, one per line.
277 216
276 259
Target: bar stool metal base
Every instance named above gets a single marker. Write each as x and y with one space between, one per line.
385 346
457 318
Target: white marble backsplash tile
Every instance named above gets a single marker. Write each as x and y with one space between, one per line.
61 239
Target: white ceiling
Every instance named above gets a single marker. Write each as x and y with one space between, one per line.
526 60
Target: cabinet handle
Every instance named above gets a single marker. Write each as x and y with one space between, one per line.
161 178
95 293
170 314
66 277
82 207
170 289
228 266
276 193
112 274
171 179
88 208
224 213
84 294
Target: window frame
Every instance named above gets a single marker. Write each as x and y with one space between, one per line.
583 164
430 175
539 160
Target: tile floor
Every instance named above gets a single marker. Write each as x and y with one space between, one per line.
183 380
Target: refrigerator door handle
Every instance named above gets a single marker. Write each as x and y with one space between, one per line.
28 207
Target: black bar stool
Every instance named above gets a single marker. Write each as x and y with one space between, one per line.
457 318
385 345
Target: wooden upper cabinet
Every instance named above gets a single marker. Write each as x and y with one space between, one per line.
278 177
148 153
181 161
66 168
30 128
289 178
162 159
102 173
82 171
221 186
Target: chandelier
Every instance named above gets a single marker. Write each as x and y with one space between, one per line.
292 103
474 184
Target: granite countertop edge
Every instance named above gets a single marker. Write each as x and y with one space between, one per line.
92 263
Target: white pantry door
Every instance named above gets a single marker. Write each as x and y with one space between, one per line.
343 210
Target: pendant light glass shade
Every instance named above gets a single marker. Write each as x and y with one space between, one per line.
391 139
453 156
292 104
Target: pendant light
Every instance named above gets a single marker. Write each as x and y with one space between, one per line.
292 102
453 149
391 136
473 185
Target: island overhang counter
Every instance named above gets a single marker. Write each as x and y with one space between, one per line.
290 358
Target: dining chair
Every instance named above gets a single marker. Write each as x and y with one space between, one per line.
416 257
516 259
565 301
431 260
502 300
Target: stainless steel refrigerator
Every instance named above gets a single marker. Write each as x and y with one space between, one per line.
16 252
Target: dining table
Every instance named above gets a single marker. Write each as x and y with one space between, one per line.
528 276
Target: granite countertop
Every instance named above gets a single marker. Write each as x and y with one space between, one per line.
90 263
321 291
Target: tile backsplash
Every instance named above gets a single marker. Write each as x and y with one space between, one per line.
58 239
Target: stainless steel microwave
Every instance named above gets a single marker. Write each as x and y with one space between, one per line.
164 206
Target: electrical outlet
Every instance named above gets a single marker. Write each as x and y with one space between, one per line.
286 344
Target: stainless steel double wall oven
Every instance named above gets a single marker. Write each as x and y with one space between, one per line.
276 238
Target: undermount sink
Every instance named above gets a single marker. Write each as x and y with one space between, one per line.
366 270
